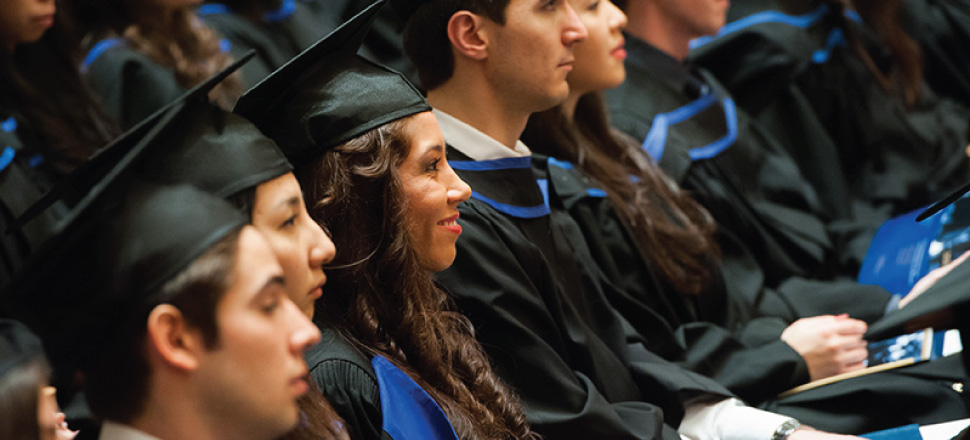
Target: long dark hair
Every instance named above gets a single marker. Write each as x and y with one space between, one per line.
904 74
19 393
180 42
676 233
56 113
380 298
319 420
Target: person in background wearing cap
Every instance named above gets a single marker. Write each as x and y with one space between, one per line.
658 245
143 54
370 157
26 402
277 29
523 273
179 320
49 120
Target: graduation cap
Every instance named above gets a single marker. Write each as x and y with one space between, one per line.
107 261
404 8
18 346
328 94
76 184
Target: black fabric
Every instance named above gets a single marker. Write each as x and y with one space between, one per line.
348 381
732 333
114 250
131 86
22 185
540 310
925 393
890 155
18 346
255 160
328 94
275 41
753 188
216 151
942 29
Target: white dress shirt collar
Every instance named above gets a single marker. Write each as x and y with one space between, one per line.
473 143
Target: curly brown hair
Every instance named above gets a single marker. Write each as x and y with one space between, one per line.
179 41
380 298
661 218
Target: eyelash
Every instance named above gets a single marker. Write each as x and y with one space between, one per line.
594 6
289 222
271 307
551 4
433 166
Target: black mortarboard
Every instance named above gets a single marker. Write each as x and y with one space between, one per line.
328 94
18 346
114 250
217 151
404 8
75 185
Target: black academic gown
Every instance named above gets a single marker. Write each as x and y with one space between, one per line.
279 36
891 156
524 277
942 29
348 381
130 85
24 178
731 333
729 162
375 399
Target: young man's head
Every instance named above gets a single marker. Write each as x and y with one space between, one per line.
228 342
519 49
671 24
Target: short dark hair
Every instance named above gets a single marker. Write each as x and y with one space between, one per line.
116 384
426 35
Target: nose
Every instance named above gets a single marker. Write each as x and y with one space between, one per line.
322 250
305 334
619 20
458 190
574 30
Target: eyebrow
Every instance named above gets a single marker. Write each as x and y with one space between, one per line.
436 147
292 201
276 281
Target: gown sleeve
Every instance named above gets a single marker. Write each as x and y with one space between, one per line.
503 284
130 85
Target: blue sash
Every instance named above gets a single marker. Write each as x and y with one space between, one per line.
409 412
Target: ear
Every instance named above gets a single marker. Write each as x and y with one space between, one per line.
467 35
172 339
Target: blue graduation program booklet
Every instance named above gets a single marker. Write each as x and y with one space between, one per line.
903 250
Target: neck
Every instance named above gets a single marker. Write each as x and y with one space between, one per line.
477 105
171 411
648 23
569 105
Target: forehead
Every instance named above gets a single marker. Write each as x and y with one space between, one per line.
276 191
256 266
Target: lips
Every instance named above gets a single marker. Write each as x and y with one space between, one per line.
300 384
45 20
619 51
451 224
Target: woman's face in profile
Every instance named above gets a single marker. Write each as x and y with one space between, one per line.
25 21
433 192
297 240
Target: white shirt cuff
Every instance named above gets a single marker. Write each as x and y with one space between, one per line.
728 419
